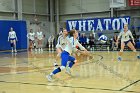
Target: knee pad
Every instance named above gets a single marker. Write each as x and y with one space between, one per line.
59 69
73 62
134 50
62 67
121 50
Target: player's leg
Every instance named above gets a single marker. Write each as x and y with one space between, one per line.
30 45
14 42
131 46
12 45
121 51
52 44
41 44
59 51
64 60
49 44
70 65
34 44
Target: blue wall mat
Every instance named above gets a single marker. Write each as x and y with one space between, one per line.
20 29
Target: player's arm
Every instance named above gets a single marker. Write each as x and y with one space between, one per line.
58 42
8 36
82 49
42 35
16 36
120 34
28 35
131 37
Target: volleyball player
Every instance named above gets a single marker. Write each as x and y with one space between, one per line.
50 41
12 38
72 42
61 43
31 37
39 36
125 40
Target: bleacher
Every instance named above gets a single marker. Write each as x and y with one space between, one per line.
108 47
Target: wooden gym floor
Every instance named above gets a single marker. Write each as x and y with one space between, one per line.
100 73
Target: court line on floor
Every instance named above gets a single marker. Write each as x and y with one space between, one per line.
3 74
24 62
129 85
44 84
45 71
35 67
20 63
9 51
11 63
72 86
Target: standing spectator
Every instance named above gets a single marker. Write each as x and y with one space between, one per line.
81 39
85 40
51 41
91 40
31 37
114 45
40 39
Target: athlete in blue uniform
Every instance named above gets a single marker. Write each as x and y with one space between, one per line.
66 54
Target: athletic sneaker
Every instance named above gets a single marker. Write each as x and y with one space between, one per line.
68 70
49 77
138 57
15 51
119 59
41 49
12 51
35 50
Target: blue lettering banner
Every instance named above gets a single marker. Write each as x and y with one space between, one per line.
98 24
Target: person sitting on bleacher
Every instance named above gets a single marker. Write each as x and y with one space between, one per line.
91 40
114 45
85 40
81 39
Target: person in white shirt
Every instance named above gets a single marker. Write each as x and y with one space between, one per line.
31 37
40 37
50 41
66 54
125 40
61 43
12 38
